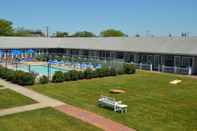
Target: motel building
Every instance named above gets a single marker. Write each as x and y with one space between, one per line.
177 55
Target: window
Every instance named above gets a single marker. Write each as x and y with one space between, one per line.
186 61
169 60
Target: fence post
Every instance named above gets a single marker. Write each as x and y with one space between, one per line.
163 68
140 66
151 67
159 66
49 74
16 66
175 69
190 71
29 68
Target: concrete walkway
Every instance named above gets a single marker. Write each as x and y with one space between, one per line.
45 101
2 88
32 94
19 109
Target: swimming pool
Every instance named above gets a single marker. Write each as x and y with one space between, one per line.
40 69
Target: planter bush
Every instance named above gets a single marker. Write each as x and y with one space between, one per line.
67 76
88 73
10 75
58 77
129 69
81 75
43 80
27 79
113 72
23 78
102 72
3 73
75 75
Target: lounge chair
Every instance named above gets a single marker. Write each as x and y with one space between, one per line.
98 66
117 106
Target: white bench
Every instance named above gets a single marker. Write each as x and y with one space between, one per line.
109 102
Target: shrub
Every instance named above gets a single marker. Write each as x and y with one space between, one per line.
120 71
129 69
102 72
10 75
3 72
58 77
67 76
27 79
113 72
23 78
81 75
43 80
94 74
88 73
74 75
18 77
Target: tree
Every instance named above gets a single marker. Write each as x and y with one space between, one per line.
61 34
6 28
84 34
27 32
137 35
112 33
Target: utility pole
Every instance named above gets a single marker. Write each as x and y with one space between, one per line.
47 31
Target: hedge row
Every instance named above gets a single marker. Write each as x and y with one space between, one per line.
17 77
74 75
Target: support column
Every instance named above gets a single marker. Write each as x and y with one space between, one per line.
194 65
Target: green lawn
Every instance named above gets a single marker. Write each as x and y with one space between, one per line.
46 119
9 98
154 104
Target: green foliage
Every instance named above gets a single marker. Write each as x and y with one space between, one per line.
43 80
129 69
102 72
74 75
42 57
58 77
137 35
6 28
23 78
18 77
67 76
84 34
81 75
61 34
112 33
113 72
27 32
3 72
10 75
88 73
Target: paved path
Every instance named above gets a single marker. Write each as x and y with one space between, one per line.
93 118
19 109
2 88
45 101
32 94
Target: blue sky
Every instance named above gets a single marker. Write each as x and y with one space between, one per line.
160 17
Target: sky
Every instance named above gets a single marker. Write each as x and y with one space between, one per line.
157 17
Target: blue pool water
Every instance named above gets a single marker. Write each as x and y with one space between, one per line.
40 69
